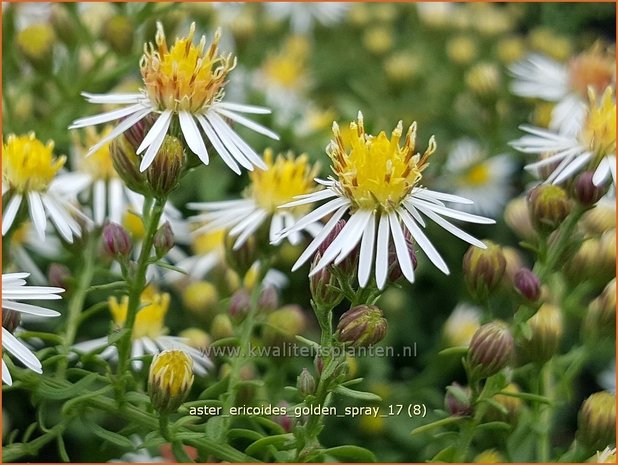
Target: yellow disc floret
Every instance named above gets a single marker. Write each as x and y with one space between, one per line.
283 179
376 173
171 372
185 77
149 319
28 164
477 175
599 132
99 165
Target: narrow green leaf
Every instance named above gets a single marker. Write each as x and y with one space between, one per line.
361 395
262 444
458 350
351 453
436 424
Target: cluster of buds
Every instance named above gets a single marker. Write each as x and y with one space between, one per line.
491 350
170 380
596 421
362 326
483 269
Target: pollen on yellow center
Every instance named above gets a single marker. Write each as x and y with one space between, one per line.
376 173
477 175
149 319
185 77
28 164
283 179
599 132
99 164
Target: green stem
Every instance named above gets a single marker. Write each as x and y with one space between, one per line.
543 412
136 288
76 304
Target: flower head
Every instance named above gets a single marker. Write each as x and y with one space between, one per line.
170 379
378 183
149 319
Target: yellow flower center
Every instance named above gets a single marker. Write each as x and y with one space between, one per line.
99 165
28 164
209 242
287 69
377 173
134 225
283 179
184 77
477 176
149 319
594 68
171 372
599 132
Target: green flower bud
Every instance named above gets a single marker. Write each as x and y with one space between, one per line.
242 259
305 383
483 269
491 349
36 44
283 325
126 163
596 422
324 286
548 205
63 25
362 326
600 320
117 31
221 327
170 380
201 298
546 332
164 173
163 239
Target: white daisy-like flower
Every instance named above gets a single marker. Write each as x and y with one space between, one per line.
15 290
470 173
378 184
141 455
303 16
184 84
30 176
538 76
283 180
149 332
592 146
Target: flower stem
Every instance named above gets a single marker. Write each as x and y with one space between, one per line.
543 412
151 217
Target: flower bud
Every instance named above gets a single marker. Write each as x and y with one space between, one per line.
201 298
117 31
163 239
242 259
221 327
58 275
362 326
457 400
596 421
324 285
166 169
600 320
240 304
126 163
283 325
517 217
269 299
305 383
491 349
548 205
546 333
284 420
63 24
348 265
318 363
584 190
196 338
136 133
116 240
36 44
483 269
10 319
483 79
170 380
512 405
527 284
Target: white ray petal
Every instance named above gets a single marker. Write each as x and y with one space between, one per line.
37 213
192 135
401 248
119 129
10 212
319 213
20 351
382 251
221 148
247 123
106 117
454 230
366 252
452 213
423 242
113 98
233 141
29 309
153 148
160 125
244 108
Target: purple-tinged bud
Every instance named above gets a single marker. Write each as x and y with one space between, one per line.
584 190
116 240
10 319
281 418
240 304
527 284
491 349
596 422
163 239
164 172
305 383
483 269
318 363
348 265
548 205
457 400
136 133
324 285
332 235
394 269
269 299
362 326
58 275
126 164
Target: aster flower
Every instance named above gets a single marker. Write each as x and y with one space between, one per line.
592 147
29 174
470 173
184 83
14 290
283 179
538 76
378 183
149 332
303 16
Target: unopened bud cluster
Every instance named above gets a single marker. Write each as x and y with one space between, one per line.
170 379
362 326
